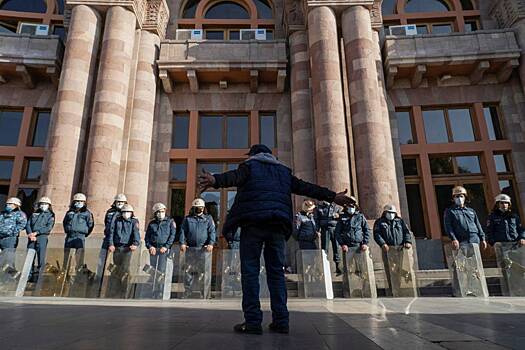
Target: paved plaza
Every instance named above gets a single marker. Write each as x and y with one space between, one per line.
423 323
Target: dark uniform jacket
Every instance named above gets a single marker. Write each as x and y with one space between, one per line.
78 223
264 190
41 222
504 227
305 227
352 230
124 233
12 222
391 232
325 214
197 231
160 233
462 224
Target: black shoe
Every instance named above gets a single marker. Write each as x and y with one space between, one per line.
244 328
279 329
338 271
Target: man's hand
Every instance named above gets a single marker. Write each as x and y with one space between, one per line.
455 244
344 248
342 199
209 248
132 248
385 248
408 245
163 250
483 245
111 248
364 247
152 251
206 180
521 242
183 247
32 236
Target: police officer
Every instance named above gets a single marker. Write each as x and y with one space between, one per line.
327 215
306 230
503 224
12 221
391 230
160 236
198 229
39 227
78 223
118 202
352 229
263 210
461 222
124 234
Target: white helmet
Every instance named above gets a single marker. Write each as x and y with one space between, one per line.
390 208
502 198
308 205
15 201
127 208
79 197
45 200
459 190
121 197
157 207
199 202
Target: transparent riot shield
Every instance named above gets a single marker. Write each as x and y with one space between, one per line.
400 272
119 271
153 278
313 272
511 261
15 266
358 277
466 271
195 274
230 273
54 276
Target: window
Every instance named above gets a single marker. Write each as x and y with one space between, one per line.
61 32
422 29
214 35
177 172
410 167
4 193
180 133
234 35
190 9
10 122
224 132
415 209
267 130
40 129
441 166
404 127
177 205
227 10
441 28
502 163
426 6
471 26
6 169
461 125
24 5
264 10
33 170
28 196
493 123
468 165
388 7
435 126
60 6
231 199
467 5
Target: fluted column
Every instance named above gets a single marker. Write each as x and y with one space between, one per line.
302 128
62 163
109 111
141 126
327 92
374 155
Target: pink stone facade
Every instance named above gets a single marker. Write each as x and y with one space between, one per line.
329 71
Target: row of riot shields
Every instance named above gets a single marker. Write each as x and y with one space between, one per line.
15 267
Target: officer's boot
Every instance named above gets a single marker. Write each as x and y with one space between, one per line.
338 271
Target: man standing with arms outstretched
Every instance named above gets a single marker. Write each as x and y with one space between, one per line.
263 209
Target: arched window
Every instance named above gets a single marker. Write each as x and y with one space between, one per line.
60 6
264 10
413 6
38 6
388 7
227 10
467 5
190 8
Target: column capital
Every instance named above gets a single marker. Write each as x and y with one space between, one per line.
339 6
138 7
294 15
157 17
507 12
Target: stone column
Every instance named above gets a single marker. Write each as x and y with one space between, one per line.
109 111
374 155
302 129
329 116
62 163
136 175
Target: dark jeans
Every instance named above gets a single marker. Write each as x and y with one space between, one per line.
253 238
40 245
327 236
